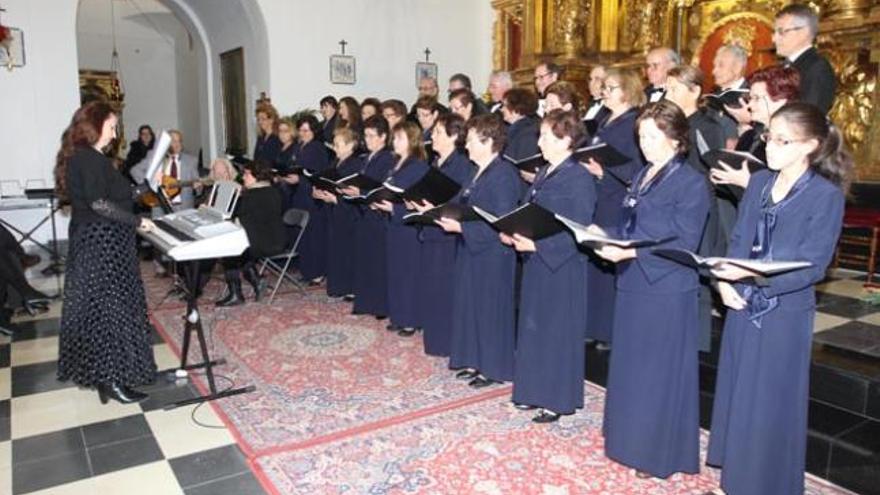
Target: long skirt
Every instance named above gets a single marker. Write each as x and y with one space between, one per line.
652 414
105 335
759 421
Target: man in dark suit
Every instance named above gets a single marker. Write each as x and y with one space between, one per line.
657 65
794 32
462 81
500 82
728 70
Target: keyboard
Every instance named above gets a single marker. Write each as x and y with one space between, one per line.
189 235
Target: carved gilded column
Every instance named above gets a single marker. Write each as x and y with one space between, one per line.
849 36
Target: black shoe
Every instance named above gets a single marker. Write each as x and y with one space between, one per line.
233 296
406 332
256 281
316 282
524 407
602 346
546 416
380 317
482 382
467 374
119 393
348 298
391 327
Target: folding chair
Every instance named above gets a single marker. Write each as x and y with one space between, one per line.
281 262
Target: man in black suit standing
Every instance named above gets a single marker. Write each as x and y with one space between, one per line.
794 32
657 65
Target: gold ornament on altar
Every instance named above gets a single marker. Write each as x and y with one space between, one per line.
741 35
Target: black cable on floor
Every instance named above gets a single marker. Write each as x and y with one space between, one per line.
200 404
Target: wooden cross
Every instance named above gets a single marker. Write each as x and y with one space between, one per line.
342 44
427 54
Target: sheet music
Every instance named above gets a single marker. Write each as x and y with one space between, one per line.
162 145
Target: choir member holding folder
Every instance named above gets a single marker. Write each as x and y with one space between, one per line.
652 407
622 95
370 259
402 249
343 215
311 154
483 323
518 110
438 247
549 372
793 212
769 90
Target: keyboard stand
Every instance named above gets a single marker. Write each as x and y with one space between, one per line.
193 323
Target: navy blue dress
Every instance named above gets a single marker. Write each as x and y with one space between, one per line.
437 264
403 251
267 148
483 318
759 421
370 267
652 415
552 314
341 238
284 162
610 190
522 139
313 246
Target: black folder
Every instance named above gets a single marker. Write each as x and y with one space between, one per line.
529 220
604 154
733 159
360 181
529 164
434 187
594 240
324 180
729 97
294 170
452 211
762 268
592 125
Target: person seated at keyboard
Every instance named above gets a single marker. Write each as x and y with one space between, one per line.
259 212
13 261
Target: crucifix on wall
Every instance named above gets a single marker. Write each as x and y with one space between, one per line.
426 69
342 66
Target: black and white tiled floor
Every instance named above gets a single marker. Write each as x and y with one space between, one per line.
58 439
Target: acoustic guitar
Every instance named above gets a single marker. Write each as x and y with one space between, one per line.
171 187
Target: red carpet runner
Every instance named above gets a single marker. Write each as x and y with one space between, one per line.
344 406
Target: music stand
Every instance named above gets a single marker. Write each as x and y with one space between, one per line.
56 267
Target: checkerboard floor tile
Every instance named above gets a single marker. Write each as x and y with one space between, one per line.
56 438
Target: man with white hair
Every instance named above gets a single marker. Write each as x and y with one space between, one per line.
657 65
728 70
499 83
794 32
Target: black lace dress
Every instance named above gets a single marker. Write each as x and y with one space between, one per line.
105 336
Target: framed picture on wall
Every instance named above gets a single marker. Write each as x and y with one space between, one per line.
342 69
425 69
13 56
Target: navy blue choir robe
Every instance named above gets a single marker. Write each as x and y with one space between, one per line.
341 244
267 148
652 415
403 251
759 421
370 258
522 139
709 127
284 162
312 261
610 190
437 265
552 313
483 315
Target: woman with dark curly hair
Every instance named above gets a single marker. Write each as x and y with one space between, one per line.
105 340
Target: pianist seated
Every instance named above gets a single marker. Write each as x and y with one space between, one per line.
260 213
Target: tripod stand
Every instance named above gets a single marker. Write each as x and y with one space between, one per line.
193 324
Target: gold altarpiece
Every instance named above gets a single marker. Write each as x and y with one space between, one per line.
580 33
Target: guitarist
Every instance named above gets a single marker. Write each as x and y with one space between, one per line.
177 165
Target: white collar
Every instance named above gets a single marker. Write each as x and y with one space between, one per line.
794 57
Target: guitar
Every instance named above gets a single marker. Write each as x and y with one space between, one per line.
171 187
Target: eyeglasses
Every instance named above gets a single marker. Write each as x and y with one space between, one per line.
783 31
541 76
608 88
780 141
